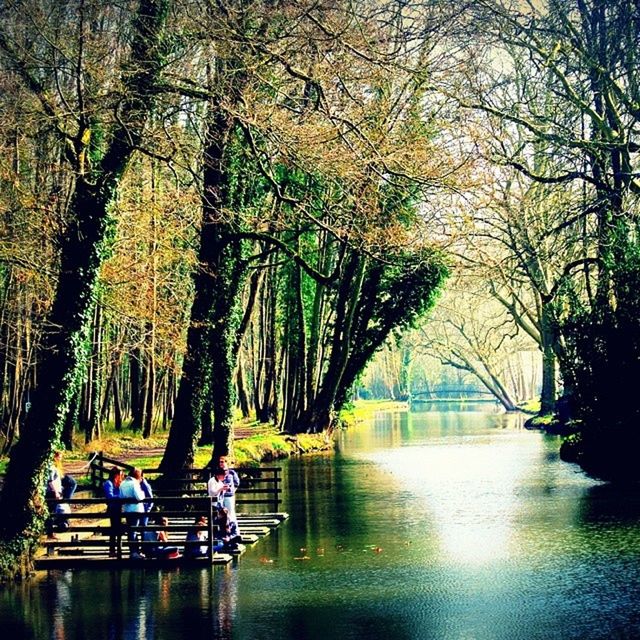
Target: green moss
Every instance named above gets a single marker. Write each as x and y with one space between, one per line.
530 406
543 420
16 558
363 410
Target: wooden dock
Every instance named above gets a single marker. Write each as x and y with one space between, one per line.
90 549
85 540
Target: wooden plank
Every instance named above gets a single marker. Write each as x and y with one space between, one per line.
86 545
104 562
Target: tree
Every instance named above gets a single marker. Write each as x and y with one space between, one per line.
471 332
99 151
584 56
313 86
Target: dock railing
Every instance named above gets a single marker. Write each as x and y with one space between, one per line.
258 485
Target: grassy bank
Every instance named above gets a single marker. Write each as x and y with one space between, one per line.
259 443
247 452
363 410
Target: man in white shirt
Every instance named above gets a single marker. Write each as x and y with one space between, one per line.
216 486
131 489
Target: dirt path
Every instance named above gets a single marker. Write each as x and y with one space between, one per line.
79 468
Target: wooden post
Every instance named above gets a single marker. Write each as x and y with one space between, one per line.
276 486
210 550
119 537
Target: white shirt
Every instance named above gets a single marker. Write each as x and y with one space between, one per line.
215 488
130 488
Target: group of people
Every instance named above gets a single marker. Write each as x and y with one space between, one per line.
226 540
221 487
124 495
132 495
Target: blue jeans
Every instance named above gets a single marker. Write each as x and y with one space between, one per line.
69 486
134 519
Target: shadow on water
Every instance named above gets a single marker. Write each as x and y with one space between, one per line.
610 504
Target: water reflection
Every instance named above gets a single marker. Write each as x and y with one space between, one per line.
440 406
423 525
468 485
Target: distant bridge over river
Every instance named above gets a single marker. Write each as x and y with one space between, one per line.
451 394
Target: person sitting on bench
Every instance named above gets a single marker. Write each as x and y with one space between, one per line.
161 549
197 534
227 536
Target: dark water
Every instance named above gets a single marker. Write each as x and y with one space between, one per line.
452 525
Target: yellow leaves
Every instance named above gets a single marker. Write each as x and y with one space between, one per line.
85 136
147 278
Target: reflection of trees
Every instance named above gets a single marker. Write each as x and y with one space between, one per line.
226 600
115 626
610 506
140 621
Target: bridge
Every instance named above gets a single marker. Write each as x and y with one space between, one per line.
452 394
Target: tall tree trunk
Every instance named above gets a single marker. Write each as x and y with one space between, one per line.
150 389
117 404
294 398
136 389
265 376
549 368
195 382
243 397
321 414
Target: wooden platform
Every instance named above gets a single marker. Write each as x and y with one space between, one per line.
87 547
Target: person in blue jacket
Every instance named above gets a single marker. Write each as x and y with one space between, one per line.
148 493
111 491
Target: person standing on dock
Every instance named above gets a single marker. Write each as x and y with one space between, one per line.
216 486
59 485
111 491
130 489
231 483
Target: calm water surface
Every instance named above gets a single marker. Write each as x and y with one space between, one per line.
452 525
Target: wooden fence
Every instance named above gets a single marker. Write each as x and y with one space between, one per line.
258 485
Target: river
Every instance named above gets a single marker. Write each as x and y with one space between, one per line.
440 525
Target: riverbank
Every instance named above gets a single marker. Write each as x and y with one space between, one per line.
248 450
253 447
254 443
363 410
